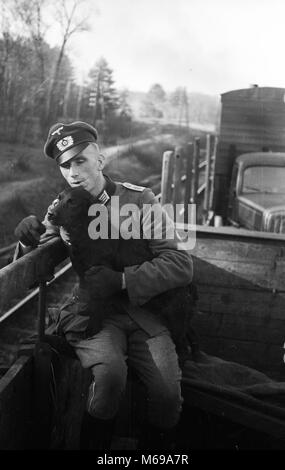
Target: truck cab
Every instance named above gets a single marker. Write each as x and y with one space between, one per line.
257 192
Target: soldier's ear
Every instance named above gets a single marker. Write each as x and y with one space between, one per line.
101 160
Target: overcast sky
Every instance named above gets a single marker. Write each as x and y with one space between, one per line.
211 46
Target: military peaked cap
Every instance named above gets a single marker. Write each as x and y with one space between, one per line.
65 141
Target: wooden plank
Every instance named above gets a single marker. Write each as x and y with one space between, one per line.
262 305
178 158
42 386
238 251
247 328
260 356
258 258
72 383
238 274
167 177
267 276
7 249
211 274
236 234
19 276
195 170
188 181
234 411
207 175
16 430
24 421
213 170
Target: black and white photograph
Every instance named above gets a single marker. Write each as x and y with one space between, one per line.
142 229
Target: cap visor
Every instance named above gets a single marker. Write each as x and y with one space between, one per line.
71 153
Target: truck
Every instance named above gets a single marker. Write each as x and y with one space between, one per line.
233 395
249 174
257 192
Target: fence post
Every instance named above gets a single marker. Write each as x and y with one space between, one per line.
178 156
41 310
188 180
195 170
214 154
166 177
207 176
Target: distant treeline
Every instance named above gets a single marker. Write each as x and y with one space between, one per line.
177 107
31 98
38 86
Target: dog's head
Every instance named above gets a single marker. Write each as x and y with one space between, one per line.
71 207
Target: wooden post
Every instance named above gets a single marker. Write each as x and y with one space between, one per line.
41 310
167 177
42 401
207 176
214 154
177 175
189 167
43 376
188 180
195 170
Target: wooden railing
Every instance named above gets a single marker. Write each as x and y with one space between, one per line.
33 269
188 175
37 267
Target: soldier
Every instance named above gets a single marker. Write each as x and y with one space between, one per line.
131 332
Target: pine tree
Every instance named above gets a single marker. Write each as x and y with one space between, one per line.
103 96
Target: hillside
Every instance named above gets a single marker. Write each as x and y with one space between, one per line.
30 181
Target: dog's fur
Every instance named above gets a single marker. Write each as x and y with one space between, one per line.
175 307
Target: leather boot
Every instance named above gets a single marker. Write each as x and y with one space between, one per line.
96 434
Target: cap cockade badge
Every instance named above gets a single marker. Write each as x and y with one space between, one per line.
64 143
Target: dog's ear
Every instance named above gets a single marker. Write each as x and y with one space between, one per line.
73 204
82 198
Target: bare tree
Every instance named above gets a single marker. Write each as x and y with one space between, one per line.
23 58
6 52
36 80
69 14
31 13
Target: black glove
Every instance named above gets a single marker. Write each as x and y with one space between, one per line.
103 282
29 230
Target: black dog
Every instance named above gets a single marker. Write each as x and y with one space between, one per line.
175 307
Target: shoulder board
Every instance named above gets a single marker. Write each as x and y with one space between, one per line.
134 187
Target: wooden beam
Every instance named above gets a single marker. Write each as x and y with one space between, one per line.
195 170
228 233
178 156
233 410
213 171
188 179
21 275
207 177
167 177
16 402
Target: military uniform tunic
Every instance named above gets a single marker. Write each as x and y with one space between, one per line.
136 334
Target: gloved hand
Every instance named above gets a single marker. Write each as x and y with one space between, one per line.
29 230
103 282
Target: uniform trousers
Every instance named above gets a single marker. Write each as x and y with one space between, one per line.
121 343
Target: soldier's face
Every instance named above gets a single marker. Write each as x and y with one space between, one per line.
85 170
